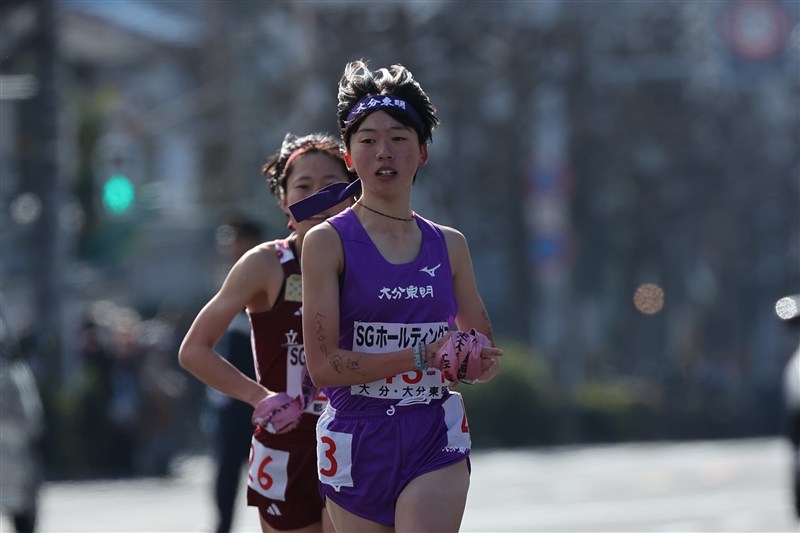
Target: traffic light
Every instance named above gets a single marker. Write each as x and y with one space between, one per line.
119 195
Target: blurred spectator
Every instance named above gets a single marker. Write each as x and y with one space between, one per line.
96 427
21 426
125 408
791 390
94 351
234 427
162 386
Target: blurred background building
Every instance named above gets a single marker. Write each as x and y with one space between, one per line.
586 149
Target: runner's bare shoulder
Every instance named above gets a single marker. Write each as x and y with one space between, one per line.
260 270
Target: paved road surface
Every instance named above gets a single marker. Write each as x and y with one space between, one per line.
697 487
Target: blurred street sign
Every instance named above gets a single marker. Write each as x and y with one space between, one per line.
18 86
550 179
755 30
551 251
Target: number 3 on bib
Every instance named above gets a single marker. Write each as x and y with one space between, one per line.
334 457
330 455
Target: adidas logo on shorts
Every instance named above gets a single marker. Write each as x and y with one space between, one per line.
273 510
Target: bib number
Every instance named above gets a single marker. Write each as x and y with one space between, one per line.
334 456
268 473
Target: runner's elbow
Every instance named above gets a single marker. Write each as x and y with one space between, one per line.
185 357
320 375
317 376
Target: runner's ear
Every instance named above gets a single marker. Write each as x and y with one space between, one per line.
348 161
423 155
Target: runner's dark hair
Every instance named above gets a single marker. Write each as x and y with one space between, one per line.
275 169
359 82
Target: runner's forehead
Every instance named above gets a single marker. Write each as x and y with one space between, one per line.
378 120
316 164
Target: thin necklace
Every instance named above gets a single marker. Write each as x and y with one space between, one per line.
385 215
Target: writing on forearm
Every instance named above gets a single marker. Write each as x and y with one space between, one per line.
335 359
318 321
352 365
489 333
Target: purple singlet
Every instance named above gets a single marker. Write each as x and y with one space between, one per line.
375 438
386 307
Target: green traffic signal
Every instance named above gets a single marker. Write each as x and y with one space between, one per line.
118 194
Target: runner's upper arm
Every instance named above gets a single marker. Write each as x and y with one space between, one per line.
243 283
322 261
471 311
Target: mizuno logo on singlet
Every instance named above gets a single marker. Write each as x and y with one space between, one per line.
430 270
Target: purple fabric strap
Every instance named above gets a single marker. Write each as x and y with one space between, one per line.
323 199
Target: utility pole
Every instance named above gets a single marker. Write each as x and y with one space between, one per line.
45 184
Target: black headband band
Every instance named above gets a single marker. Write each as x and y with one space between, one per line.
381 101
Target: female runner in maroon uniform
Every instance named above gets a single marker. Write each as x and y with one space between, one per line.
283 481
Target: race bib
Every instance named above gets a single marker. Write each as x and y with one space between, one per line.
295 361
381 337
268 473
334 454
455 417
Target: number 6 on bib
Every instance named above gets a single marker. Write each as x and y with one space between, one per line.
268 471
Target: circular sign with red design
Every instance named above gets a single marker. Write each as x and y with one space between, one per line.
755 30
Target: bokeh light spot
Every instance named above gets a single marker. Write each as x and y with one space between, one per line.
26 208
648 298
786 308
118 194
226 234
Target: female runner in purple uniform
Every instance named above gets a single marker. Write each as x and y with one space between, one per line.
282 481
382 287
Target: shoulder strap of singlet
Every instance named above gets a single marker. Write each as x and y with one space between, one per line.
429 227
289 264
349 228
287 257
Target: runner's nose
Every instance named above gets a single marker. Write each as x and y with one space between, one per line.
384 151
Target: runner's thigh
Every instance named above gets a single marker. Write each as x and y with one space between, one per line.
434 502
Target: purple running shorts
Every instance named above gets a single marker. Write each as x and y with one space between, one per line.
366 458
